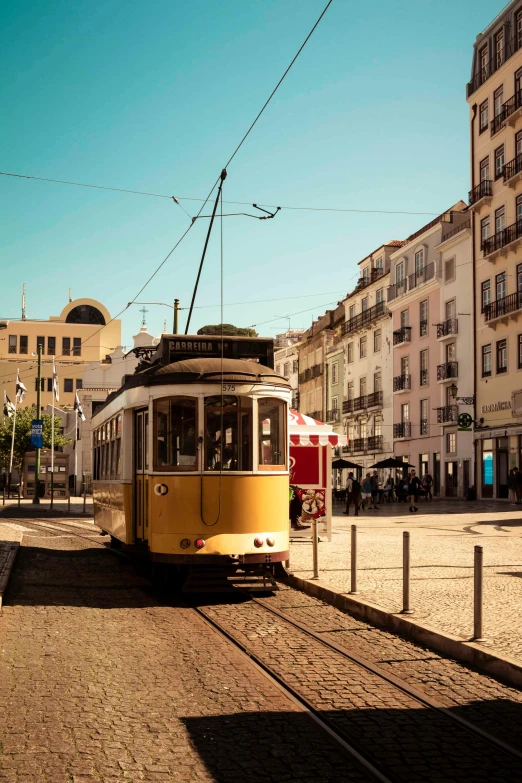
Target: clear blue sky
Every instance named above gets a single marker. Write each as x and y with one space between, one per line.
155 96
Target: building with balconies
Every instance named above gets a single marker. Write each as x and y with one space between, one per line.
312 349
286 362
495 99
367 348
431 283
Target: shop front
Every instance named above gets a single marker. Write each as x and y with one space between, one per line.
497 452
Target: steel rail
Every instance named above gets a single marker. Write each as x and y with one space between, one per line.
393 680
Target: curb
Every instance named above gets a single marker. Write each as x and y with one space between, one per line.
507 669
7 568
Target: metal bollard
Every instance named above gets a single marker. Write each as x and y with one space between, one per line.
3 495
315 549
18 495
69 503
353 563
406 574
84 497
477 594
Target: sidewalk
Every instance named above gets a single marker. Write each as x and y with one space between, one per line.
443 536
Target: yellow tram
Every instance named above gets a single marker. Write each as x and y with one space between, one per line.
191 461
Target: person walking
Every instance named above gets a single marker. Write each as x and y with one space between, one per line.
427 484
512 486
367 492
518 486
413 490
375 490
353 495
391 482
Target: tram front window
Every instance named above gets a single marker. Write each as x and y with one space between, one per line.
272 432
228 439
176 433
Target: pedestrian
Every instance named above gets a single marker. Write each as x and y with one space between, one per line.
375 489
512 486
518 488
413 490
366 493
353 495
427 484
391 482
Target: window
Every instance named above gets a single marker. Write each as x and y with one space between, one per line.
451 442
49 384
362 347
377 340
449 270
24 344
335 373
484 230
335 403
295 365
520 351
362 386
79 384
405 365
483 57
349 353
77 346
286 369
350 390
484 169
419 262
424 417
499 48
499 162
502 363
399 272
498 100
40 341
66 346
518 210
424 367
175 421
423 318
377 427
484 116
450 310
13 343
379 296
519 278
500 219
377 382
68 384
364 304
451 352
278 369
379 265
486 294
352 311
366 274
500 285
51 346
519 28
405 412
404 318
272 432
42 384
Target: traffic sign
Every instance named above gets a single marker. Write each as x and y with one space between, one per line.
464 420
37 433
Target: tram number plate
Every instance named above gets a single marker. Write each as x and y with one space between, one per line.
229 387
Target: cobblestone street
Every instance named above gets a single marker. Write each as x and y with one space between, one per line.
443 535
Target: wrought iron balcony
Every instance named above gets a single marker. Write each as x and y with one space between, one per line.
447 328
402 430
421 276
316 415
502 238
402 335
423 378
424 427
360 403
447 371
364 319
360 444
402 383
368 279
483 190
508 108
348 406
397 289
512 168
374 400
333 415
502 307
447 413
375 443
310 373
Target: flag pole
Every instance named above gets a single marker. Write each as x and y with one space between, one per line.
52 438
12 442
75 451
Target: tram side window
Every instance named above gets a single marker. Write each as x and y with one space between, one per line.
118 447
176 433
228 433
272 432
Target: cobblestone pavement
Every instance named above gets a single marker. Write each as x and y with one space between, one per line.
100 682
443 536
408 741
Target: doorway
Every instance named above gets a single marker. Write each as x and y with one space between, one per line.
466 476
436 474
141 485
502 473
451 479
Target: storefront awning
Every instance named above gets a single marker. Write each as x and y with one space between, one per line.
305 431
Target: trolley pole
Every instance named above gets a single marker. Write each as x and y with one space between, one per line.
36 496
353 563
315 549
478 594
406 574
176 312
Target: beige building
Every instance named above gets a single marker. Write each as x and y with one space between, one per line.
312 352
495 100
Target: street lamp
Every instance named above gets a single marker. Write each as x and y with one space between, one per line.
453 389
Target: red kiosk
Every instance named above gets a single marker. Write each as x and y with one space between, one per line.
311 444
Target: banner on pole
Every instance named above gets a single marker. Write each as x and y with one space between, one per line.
37 433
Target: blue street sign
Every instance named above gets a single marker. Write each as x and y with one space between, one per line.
37 433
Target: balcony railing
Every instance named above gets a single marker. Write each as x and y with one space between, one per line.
375 400
360 444
401 383
310 373
397 289
316 415
375 443
447 413
333 415
423 377
499 58
360 403
482 190
510 106
371 278
402 335
421 276
365 318
448 327
504 306
512 167
295 401
448 370
348 406
424 427
402 430
502 238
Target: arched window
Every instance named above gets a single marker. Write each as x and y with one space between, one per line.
85 314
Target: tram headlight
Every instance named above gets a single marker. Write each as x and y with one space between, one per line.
184 543
199 543
270 541
258 542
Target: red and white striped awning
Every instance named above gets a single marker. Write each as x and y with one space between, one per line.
305 431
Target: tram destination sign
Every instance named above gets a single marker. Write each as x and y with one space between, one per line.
178 347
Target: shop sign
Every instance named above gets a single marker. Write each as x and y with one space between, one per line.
497 406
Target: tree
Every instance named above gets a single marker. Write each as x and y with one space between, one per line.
22 441
229 330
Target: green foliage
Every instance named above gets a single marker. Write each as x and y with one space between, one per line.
22 442
229 330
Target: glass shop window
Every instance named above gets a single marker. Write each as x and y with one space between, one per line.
272 432
176 433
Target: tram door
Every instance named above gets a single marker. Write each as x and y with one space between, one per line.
141 485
